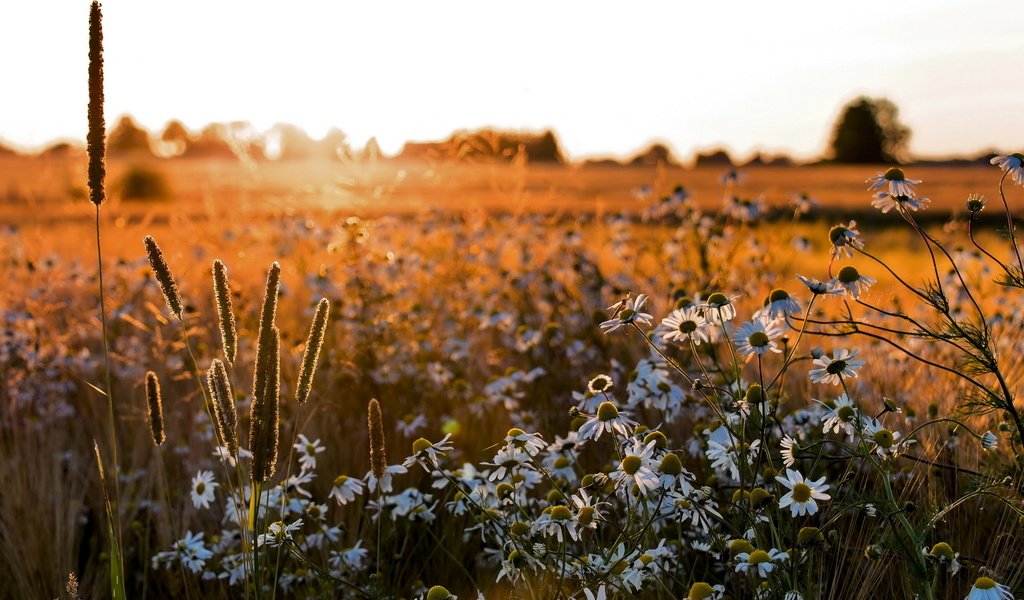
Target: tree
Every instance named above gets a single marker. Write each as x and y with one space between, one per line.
869 131
127 139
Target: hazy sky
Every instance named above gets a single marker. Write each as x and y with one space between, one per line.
607 76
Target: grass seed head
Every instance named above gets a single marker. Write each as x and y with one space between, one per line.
378 452
224 409
163 277
95 139
156 410
225 314
265 415
311 354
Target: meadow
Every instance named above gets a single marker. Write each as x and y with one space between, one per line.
591 383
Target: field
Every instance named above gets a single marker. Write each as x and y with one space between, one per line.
475 301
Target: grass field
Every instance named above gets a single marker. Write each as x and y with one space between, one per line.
468 300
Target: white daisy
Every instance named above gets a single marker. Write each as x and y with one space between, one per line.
627 311
885 441
608 420
802 493
686 324
278 533
833 370
346 489
637 468
1012 164
308 451
427 454
886 202
759 561
756 337
986 588
777 305
203 486
894 181
719 307
850 279
841 417
820 288
599 384
844 237
789 446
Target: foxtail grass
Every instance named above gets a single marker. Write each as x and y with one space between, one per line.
311 354
163 276
156 410
223 405
225 315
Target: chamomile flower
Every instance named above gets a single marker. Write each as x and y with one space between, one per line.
278 533
885 442
607 420
385 479
684 325
821 288
844 237
427 454
789 446
759 562
803 493
833 370
986 588
989 441
841 416
886 202
719 308
599 384
943 554
1013 164
855 284
626 312
410 424
530 443
203 486
756 337
308 451
346 489
705 591
637 468
894 181
777 305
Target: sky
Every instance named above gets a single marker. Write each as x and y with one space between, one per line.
608 77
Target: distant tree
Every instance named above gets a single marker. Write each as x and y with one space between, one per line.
211 143
127 138
869 131
175 139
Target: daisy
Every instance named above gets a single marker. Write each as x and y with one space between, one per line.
627 311
989 441
756 337
202 489
599 384
976 203
852 281
346 489
385 479
673 475
600 595
193 552
802 493
637 468
841 416
789 446
844 237
803 204
943 554
886 202
427 454
557 521
720 306
607 419
308 451
894 181
1013 164
530 443
686 324
759 561
820 288
705 591
278 533
833 370
886 442
986 588
777 305
410 424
